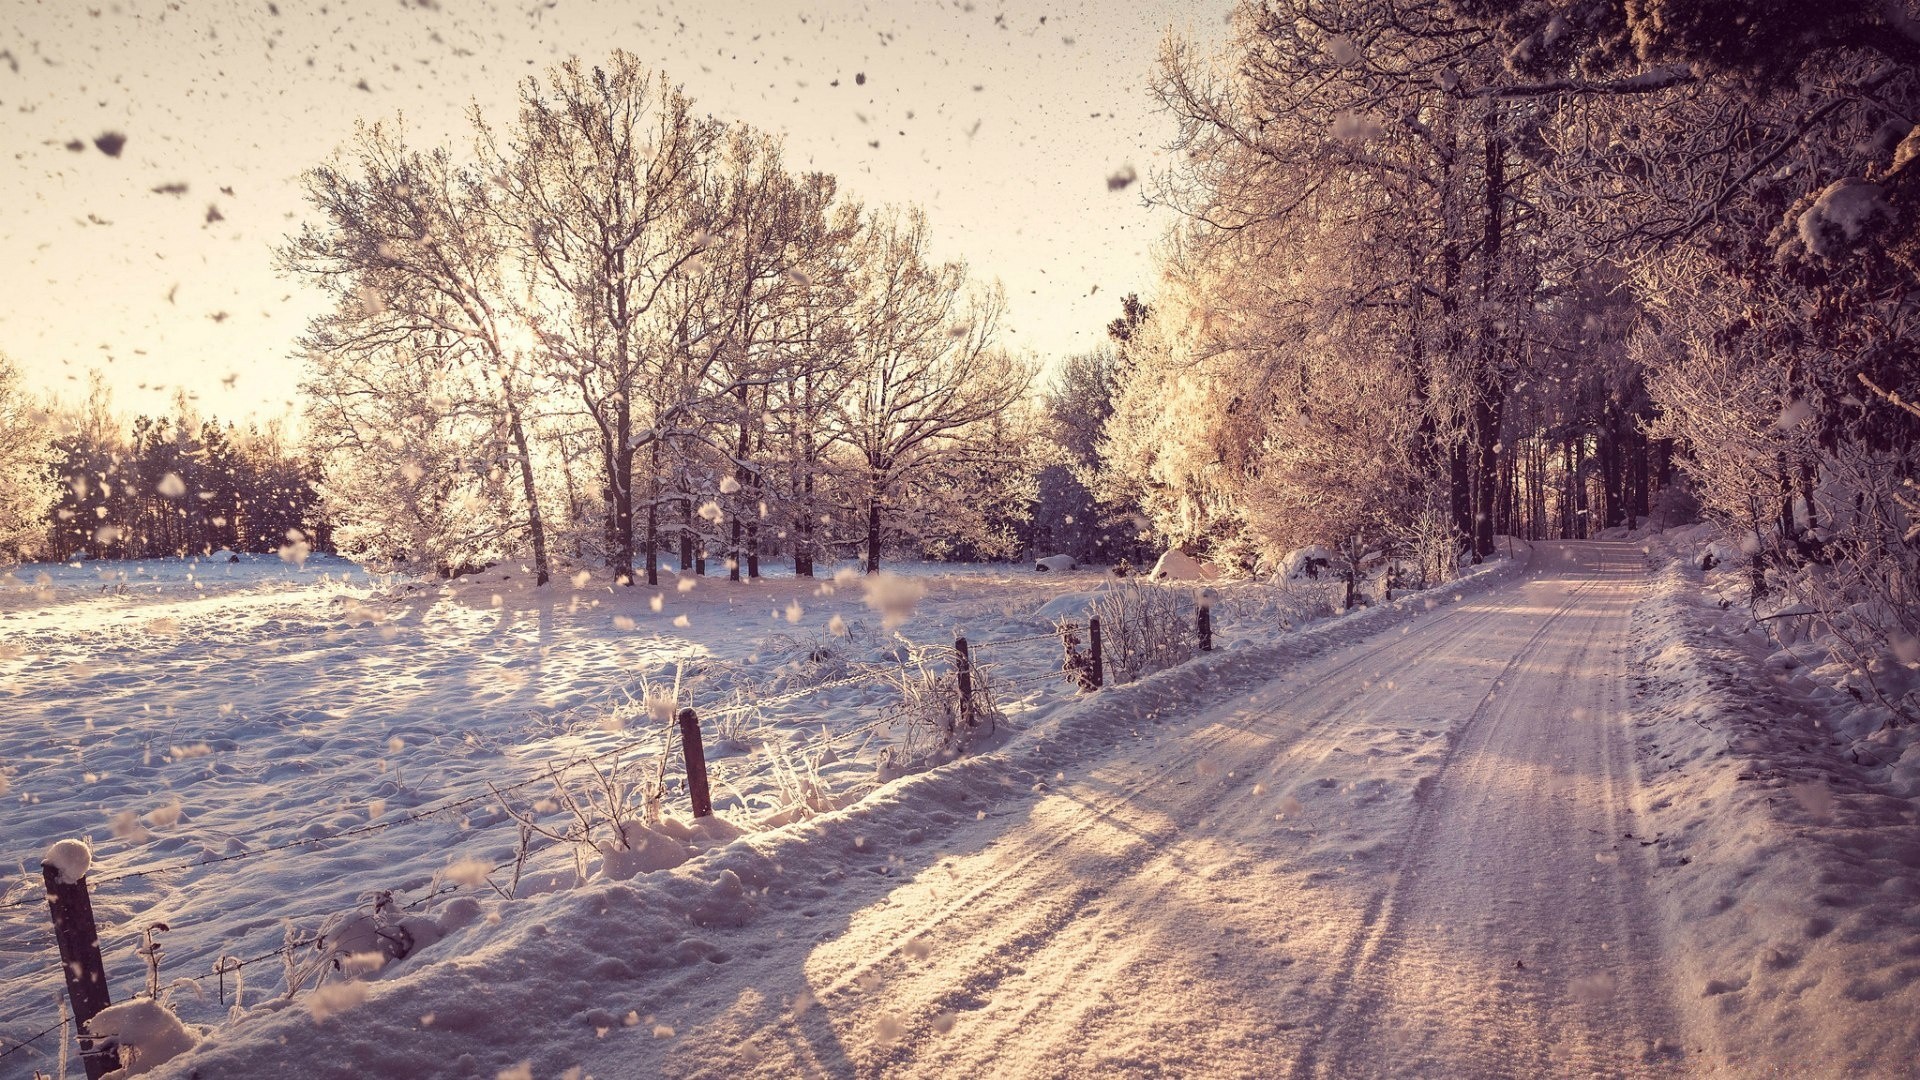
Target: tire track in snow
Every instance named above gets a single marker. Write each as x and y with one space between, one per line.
1094 814
1145 881
999 918
1005 909
1421 995
1378 915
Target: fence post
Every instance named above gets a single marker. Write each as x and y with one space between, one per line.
1203 622
963 675
696 756
1093 650
79 939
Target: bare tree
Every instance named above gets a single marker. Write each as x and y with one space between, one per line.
929 381
603 175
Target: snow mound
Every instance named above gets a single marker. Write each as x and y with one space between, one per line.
1075 606
147 1033
71 859
1306 562
1177 565
644 850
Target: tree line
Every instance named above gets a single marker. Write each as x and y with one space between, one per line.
616 332
1541 267
79 481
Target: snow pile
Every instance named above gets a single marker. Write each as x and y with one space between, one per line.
1306 562
1070 607
71 858
1177 565
146 1032
640 850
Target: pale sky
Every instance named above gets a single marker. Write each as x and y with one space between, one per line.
1004 121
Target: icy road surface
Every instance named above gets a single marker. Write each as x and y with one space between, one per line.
1414 856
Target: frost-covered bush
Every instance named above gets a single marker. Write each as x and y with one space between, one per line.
1286 605
929 716
1145 627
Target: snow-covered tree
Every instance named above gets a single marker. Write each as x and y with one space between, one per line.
409 244
604 174
28 486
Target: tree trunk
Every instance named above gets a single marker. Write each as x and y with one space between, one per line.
756 501
1489 389
873 533
1488 412
1460 492
623 493
803 523
653 513
686 535
518 432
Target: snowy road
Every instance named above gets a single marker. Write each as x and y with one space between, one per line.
1409 857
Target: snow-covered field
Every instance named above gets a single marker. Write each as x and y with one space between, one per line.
257 745
1558 818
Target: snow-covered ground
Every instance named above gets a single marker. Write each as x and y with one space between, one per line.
1554 819
254 745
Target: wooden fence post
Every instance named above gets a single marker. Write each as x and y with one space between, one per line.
963 675
696 756
1093 650
79 939
1203 622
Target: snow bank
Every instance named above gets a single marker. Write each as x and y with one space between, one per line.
1789 861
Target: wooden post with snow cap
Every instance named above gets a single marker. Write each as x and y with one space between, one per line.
65 868
1203 619
963 676
696 756
1093 651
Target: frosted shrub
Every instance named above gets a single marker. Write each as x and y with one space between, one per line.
1286 605
928 716
1145 627
802 790
1429 543
584 802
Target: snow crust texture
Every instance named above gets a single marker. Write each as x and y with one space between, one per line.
1788 858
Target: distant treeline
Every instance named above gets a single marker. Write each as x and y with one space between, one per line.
175 485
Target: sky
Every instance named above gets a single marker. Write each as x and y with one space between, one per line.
151 259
